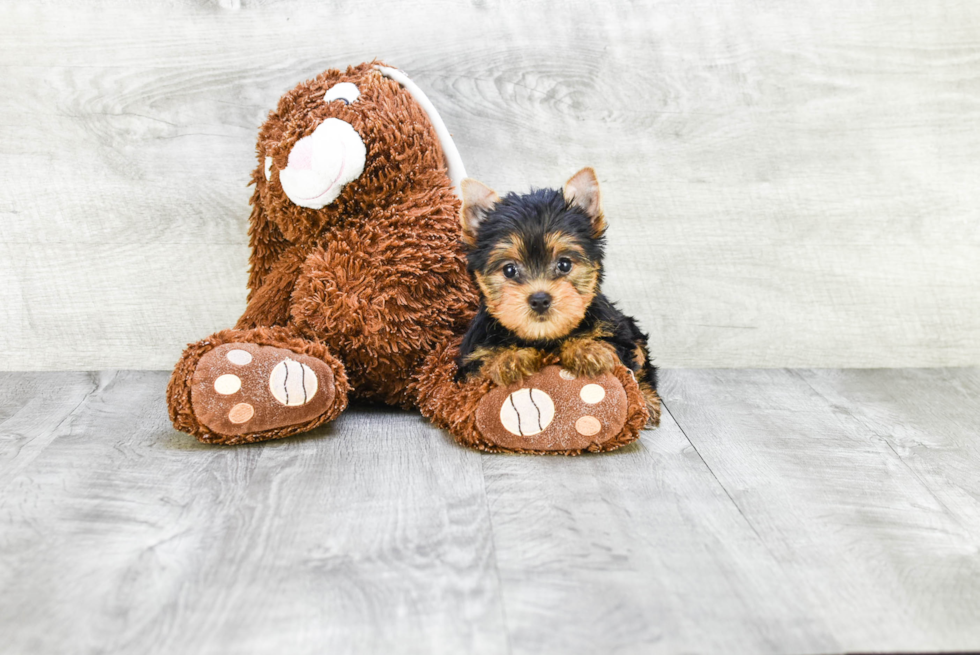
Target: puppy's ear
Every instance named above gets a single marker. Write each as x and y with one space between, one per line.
582 191
478 199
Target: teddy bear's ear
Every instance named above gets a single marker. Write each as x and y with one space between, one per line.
582 191
478 199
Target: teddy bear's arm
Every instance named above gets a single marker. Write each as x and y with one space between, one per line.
265 239
268 305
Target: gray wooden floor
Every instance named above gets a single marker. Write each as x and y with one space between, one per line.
785 511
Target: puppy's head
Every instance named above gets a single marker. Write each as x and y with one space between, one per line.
536 257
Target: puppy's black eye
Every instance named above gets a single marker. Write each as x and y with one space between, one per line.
564 265
510 271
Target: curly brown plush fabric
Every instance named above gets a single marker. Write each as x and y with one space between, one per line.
373 285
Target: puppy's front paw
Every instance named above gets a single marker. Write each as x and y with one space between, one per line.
588 357
509 365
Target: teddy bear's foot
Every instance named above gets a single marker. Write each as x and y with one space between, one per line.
555 411
245 391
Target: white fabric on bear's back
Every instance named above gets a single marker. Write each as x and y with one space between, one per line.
453 161
343 91
322 163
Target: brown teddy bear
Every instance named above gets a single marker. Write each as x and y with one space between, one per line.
358 288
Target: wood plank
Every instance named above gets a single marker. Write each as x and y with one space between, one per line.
810 511
639 551
888 567
123 290
34 408
124 536
929 418
786 185
19 389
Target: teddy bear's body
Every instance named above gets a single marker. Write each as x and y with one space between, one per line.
381 278
358 284
382 290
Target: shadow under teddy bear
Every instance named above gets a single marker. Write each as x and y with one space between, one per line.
359 289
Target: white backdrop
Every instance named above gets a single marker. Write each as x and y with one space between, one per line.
787 184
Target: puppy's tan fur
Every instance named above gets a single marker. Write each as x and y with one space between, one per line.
508 365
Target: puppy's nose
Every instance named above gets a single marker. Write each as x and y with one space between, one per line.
539 301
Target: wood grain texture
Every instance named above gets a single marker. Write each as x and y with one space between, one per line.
787 185
862 525
33 409
930 418
125 536
639 551
773 512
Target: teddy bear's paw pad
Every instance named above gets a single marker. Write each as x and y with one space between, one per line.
553 410
240 388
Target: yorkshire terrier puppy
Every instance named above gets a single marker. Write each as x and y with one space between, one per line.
537 259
